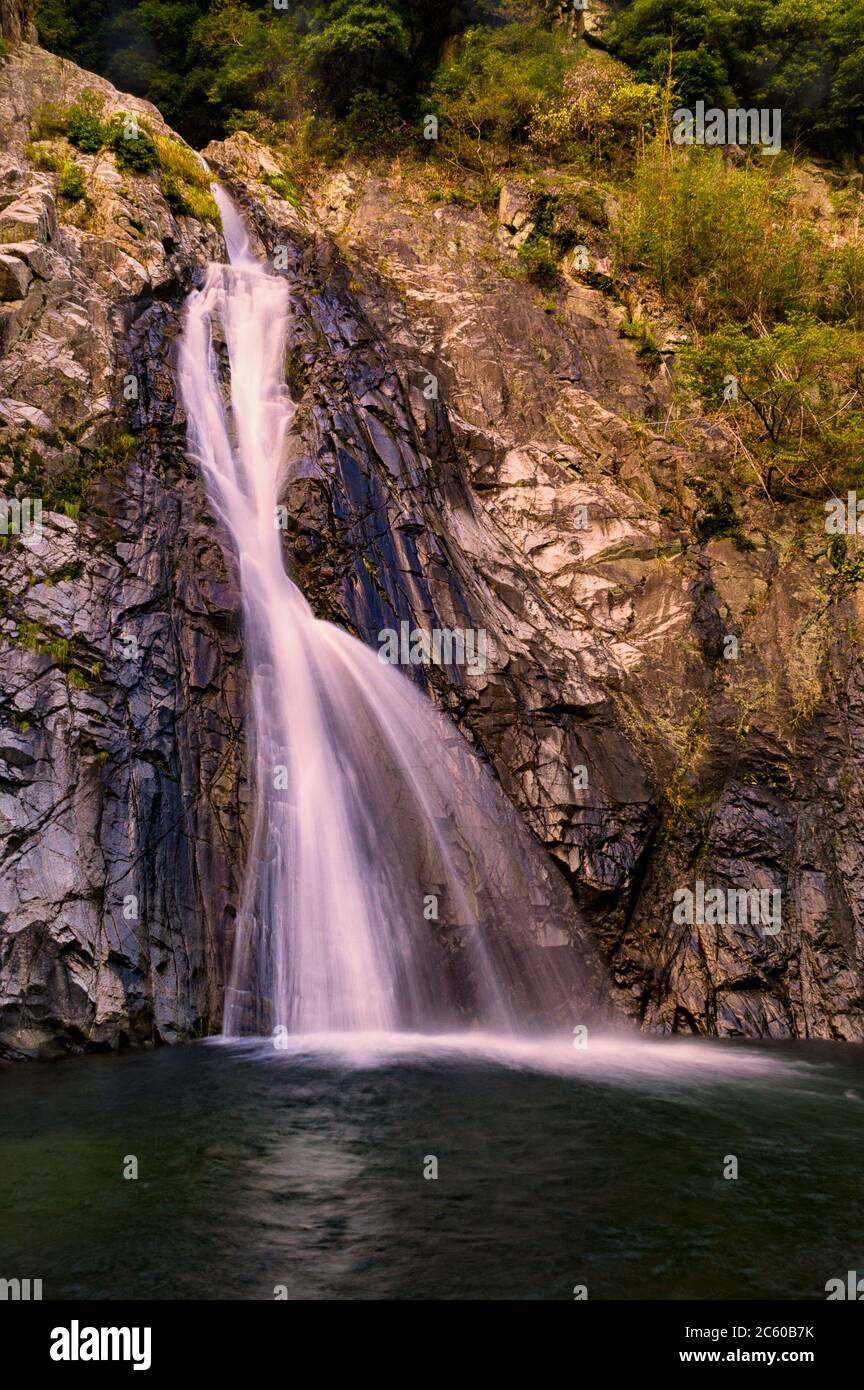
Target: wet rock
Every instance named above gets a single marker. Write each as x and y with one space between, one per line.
121 751
529 495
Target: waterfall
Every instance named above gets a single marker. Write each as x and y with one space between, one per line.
389 885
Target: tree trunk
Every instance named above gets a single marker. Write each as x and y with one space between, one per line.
16 21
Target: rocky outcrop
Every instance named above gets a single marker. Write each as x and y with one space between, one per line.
672 691
473 452
121 692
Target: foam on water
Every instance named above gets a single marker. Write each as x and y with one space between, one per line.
626 1058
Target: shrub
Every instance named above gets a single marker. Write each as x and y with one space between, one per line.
639 332
718 516
373 122
43 155
725 240
72 182
181 163
85 131
284 187
174 196
488 87
185 181
794 397
84 126
49 120
844 295
605 116
540 261
132 145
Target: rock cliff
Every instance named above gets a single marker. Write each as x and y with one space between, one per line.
469 452
121 695
538 497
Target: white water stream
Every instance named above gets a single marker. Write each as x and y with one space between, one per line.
368 803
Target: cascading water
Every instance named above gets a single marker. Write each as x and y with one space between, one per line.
389 885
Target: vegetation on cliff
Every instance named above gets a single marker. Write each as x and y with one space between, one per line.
769 279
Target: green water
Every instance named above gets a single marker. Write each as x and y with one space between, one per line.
259 1169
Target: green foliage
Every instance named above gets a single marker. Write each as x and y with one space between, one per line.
639 332
185 182
797 398
49 121
605 115
34 638
202 62
285 187
364 48
175 197
85 131
486 90
72 182
133 146
373 123
718 516
44 155
540 261
803 56
727 241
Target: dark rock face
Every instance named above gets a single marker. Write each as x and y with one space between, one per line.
121 694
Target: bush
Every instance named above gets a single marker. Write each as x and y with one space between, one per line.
187 201
85 131
373 123
486 90
639 332
175 197
43 155
727 241
285 187
540 261
605 115
185 181
717 516
49 120
84 127
132 145
72 182
793 395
